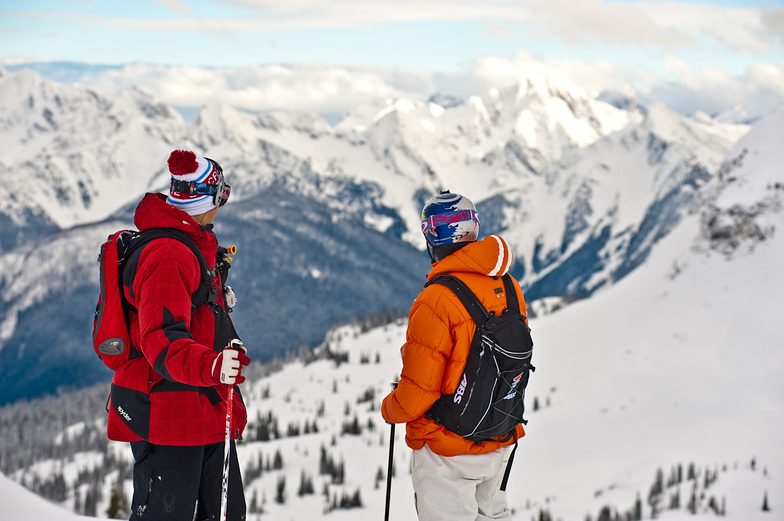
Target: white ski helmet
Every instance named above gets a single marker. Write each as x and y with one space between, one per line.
449 218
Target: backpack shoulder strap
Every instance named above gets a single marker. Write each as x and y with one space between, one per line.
202 293
466 296
512 302
470 300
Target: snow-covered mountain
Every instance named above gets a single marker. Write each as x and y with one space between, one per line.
665 387
581 189
72 155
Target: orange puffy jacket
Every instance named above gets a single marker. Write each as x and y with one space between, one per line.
438 339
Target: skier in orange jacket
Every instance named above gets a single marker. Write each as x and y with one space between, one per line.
454 478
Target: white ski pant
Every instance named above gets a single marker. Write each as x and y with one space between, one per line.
459 488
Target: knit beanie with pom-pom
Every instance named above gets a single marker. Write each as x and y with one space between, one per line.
187 166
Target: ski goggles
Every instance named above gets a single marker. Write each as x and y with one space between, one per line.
430 224
220 192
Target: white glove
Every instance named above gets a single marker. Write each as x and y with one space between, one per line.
227 367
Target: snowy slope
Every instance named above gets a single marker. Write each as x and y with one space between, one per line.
679 363
19 504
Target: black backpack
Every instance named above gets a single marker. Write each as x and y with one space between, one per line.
488 402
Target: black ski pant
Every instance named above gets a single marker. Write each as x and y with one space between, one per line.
174 483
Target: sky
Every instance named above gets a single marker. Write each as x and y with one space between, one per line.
327 55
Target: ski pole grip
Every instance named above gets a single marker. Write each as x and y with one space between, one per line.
237 344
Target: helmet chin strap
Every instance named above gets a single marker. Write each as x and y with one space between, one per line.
430 252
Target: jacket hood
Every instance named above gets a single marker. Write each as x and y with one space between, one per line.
491 256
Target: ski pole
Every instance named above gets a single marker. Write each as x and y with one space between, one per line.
227 444
391 462
389 468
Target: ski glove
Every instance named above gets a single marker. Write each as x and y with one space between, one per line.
227 367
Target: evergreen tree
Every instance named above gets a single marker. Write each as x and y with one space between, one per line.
118 503
692 506
305 484
765 507
278 463
655 494
675 500
280 493
352 427
77 506
714 506
91 502
637 514
339 475
324 462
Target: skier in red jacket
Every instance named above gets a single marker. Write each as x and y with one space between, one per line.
170 400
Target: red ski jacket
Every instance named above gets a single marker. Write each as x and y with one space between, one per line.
166 394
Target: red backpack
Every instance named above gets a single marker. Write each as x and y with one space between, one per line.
111 337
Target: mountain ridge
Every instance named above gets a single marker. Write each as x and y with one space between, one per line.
582 202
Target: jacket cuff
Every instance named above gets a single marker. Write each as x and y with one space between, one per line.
206 368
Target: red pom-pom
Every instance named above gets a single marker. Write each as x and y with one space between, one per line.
182 162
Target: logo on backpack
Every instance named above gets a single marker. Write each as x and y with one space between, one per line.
488 402
460 389
512 392
112 347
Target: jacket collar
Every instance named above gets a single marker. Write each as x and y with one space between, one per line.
154 212
491 256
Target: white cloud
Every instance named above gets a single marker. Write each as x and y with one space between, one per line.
642 23
174 5
311 88
664 24
591 21
672 35
332 89
759 90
